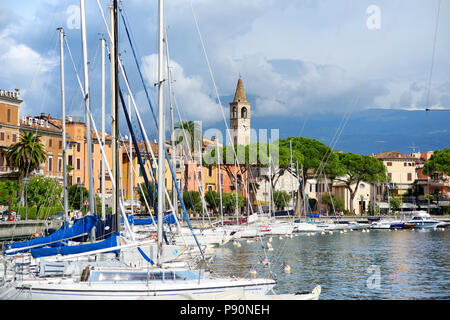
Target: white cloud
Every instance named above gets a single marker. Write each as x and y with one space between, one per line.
27 70
192 95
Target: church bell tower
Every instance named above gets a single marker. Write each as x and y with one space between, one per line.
240 116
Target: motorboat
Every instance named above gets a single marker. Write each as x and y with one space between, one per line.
423 220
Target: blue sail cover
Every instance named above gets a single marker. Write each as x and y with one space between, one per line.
168 219
81 248
80 227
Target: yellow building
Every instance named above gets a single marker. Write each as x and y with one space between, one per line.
401 169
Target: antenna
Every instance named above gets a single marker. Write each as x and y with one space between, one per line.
413 147
381 143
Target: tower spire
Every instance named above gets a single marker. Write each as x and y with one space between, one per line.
240 95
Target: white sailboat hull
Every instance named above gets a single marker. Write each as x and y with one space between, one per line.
71 290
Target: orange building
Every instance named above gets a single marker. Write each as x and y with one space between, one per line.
9 127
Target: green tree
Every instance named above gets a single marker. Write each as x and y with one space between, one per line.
26 155
229 201
212 198
190 131
313 158
145 197
281 199
429 198
357 168
192 201
395 204
43 192
335 204
8 193
77 194
438 163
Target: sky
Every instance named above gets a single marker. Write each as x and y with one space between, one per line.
297 58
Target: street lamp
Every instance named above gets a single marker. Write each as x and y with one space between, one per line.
25 182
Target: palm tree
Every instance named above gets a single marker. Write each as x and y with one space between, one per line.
192 131
26 155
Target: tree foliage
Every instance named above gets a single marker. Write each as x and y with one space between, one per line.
213 200
144 198
229 201
188 134
356 168
26 155
43 191
281 199
77 194
335 204
192 201
438 163
8 193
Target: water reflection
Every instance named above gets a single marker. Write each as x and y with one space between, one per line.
412 264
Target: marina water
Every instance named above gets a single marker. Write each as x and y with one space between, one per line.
375 265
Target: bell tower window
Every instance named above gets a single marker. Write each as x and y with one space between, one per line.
244 113
234 113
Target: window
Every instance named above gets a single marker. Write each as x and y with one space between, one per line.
234 113
78 163
50 142
78 180
2 136
409 176
60 165
78 147
60 144
14 137
244 113
70 160
50 164
210 173
389 164
9 115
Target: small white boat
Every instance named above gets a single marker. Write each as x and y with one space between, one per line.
306 227
383 224
422 220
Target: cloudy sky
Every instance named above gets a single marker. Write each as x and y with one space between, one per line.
296 57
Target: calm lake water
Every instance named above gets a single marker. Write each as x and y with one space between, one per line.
378 265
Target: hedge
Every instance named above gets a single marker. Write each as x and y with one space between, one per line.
44 212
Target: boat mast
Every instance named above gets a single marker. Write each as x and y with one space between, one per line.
161 132
270 186
292 177
172 129
103 41
219 180
87 103
63 123
115 112
131 158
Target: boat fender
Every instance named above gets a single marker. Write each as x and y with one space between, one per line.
85 274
